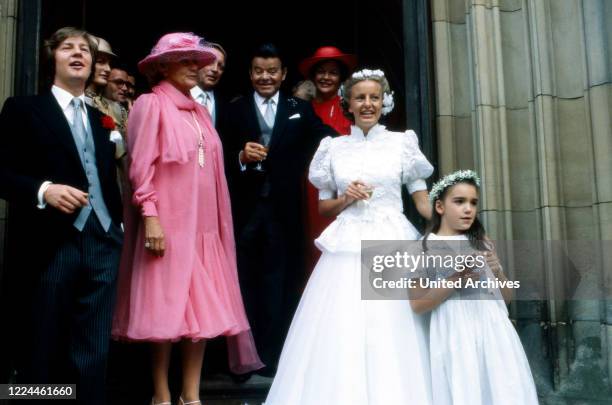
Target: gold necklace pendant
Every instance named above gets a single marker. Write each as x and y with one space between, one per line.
201 139
201 155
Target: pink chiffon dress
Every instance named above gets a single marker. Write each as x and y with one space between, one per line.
192 292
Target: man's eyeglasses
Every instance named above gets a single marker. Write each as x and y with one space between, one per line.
121 83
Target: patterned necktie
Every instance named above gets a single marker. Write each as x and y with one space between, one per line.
208 103
269 115
202 99
78 128
209 106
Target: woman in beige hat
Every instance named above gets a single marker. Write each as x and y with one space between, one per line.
99 80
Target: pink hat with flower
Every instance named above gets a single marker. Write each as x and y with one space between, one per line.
175 46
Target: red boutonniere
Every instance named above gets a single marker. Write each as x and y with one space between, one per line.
108 122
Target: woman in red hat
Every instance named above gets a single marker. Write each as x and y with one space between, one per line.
328 67
178 278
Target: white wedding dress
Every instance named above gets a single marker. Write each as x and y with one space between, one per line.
342 350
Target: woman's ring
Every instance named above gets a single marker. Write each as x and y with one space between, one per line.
147 245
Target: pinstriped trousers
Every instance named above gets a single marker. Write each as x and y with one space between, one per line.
72 313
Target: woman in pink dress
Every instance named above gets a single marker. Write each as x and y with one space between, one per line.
178 279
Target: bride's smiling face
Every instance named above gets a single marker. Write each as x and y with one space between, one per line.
366 103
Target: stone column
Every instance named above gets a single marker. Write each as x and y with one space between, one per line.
523 96
596 24
8 34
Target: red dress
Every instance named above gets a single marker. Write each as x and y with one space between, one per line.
331 114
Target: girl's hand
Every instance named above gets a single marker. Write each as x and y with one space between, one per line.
154 236
494 263
470 274
492 260
464 275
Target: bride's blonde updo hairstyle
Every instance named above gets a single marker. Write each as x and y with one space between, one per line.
366 74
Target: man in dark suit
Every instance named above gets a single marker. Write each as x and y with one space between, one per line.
271 139
57 171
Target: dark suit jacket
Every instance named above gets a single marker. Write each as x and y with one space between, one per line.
292 146
221 106
36 145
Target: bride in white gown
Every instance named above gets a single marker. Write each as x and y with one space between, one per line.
342 350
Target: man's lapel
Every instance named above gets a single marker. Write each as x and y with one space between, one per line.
217 109
53 115
282 116
100 135
251 120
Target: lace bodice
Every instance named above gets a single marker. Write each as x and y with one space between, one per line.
382 159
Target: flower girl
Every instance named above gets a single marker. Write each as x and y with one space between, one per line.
476 355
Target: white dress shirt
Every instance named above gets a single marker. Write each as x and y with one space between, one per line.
205 98
64 99
260 102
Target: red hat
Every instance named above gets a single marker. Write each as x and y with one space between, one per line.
327 53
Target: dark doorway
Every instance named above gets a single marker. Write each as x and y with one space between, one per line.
373 32
392 35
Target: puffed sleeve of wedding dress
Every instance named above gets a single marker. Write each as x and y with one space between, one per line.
415 166
320 173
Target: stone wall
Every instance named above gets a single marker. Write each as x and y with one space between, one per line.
524 97
8 32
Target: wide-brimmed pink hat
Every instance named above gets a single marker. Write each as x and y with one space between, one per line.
327 53
174 46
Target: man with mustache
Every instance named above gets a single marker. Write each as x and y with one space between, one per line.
57 171
271 139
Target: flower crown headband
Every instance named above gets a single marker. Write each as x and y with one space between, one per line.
450 180
366 74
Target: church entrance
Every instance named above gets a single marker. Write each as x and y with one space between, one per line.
392 35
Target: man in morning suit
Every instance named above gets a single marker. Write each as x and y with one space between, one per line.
57 172
208 79
271 139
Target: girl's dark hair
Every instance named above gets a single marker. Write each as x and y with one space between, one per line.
476 234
